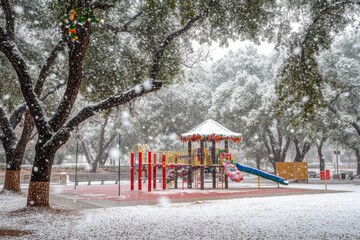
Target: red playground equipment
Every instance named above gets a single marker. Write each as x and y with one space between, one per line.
196 162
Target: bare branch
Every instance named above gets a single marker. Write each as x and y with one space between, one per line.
346 90
333 110
161 48
285 149
88 156
125 27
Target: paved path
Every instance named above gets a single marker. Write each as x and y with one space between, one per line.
106 196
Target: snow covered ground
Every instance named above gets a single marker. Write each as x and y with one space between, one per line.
316 216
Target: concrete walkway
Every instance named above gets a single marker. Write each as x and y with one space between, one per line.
107 196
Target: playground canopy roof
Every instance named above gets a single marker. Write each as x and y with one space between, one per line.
210 130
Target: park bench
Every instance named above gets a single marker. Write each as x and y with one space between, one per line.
56 178
312 174
351 176
94 177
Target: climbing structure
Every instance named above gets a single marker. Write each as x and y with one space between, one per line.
192 165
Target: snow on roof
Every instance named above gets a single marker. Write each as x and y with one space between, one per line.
210 130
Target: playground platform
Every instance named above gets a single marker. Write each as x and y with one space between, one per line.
107 196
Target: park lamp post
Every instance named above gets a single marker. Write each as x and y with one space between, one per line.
76 158
337 152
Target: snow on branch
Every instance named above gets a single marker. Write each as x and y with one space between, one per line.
18 62
110 102
346 90
17 114
21 108
333 110
45 70
101 5
6 127
124 28
9 17
169 38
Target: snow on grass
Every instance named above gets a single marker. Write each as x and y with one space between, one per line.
315 216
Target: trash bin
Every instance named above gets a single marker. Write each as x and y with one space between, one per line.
322 175
343 176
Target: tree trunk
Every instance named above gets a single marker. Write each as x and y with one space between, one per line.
38 195
258 161
321 156
93 167
300 154
274 166
321 159
12 174
39 187
12 181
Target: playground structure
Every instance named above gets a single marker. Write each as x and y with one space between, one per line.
177 165
192 165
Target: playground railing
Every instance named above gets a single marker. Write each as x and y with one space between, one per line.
173 157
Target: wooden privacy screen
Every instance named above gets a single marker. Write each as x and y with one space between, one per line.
292 170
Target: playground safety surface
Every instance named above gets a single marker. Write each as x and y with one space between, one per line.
107 196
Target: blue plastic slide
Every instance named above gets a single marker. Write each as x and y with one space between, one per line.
262 174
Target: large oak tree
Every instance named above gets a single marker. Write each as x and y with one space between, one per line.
162 23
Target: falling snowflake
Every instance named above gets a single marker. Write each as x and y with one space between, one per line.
19 9
297 51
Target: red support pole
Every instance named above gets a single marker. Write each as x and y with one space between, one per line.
140 172
149 171
132 172
154 173
164 172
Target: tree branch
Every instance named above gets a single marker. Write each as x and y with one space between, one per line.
108 103
112 137
2 37
16 116
101 5
348 89
159 52
125 27
87 153
285 149
268 149
333 110
45 70
7 129
18 62
10 18
102 138
272 142
77 51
